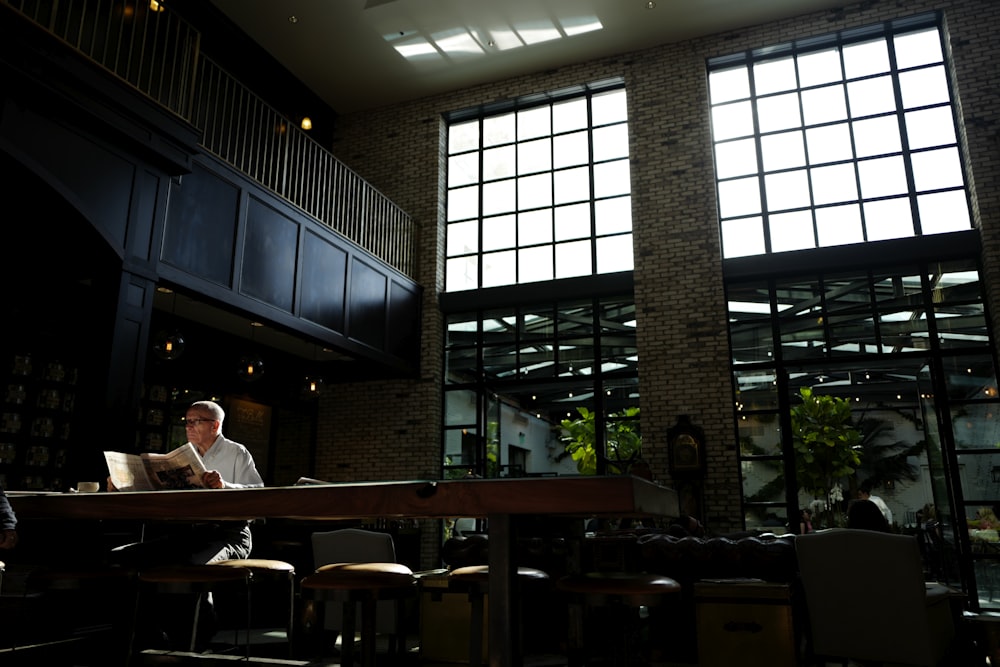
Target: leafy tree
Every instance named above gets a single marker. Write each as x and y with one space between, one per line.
623 442
826 444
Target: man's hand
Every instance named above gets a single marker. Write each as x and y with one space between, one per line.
8 539
111 486
212 479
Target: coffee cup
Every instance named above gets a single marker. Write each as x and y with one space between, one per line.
88 487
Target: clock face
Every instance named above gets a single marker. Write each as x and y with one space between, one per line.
685 452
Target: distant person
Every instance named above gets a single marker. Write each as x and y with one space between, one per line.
865 493
8 523
805 521
863 514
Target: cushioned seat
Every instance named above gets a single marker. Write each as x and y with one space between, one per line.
199 580
263 569
474 581
365 583
618 595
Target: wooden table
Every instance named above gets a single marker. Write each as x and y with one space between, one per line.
497 500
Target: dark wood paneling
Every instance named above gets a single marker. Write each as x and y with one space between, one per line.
324 280
403 329
367 307
269 252
200 232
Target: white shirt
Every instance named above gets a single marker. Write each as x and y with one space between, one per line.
886 512
234 462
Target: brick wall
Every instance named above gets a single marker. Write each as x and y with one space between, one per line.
385 430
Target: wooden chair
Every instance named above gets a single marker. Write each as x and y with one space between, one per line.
867 600
357 568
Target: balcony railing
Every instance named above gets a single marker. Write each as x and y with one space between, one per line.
158 54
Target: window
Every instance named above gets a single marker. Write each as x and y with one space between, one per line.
539 189
837 140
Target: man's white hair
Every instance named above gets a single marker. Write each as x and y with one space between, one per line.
212 408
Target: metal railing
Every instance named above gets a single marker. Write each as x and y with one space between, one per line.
158 54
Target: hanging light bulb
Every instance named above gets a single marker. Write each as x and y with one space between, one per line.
168 345
312 387
250 368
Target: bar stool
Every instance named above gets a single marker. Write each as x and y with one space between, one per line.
264 568
619 593
367 583
474 581
199 580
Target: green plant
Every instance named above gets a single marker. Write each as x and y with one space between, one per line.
622 441
826 446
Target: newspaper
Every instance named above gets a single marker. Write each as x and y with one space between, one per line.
180 469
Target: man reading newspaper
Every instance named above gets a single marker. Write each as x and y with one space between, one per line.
227 464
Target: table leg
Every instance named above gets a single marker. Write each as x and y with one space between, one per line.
504 602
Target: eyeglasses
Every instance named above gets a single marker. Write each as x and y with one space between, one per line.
195 422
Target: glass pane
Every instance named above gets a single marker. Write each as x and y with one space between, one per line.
819 67
571 115
774 76
533 192
463 238
935 170
462 273
572 222
930 127
839 225
866 58
924 87
944 212
742 237
763 482
534 156
756 390
609 107
463 203
573 259
735 158
499 361
751 341
782 151
780 112
786 190
459 408
498 130
730 121
613 215
959 310
739 197
830 143
499 233
792 231
533 123
899 304
499 268
976 425
871 96
824 105
882 177
460 449
572 185
571 149
850 316
463 169
970 377
534 227
498 197
612 178
836 183
888 219
760 434
877 136
499 163
728 85
614 253
463 137
918 48
611 142
535 264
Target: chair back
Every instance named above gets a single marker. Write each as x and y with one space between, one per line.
867 600
354 545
